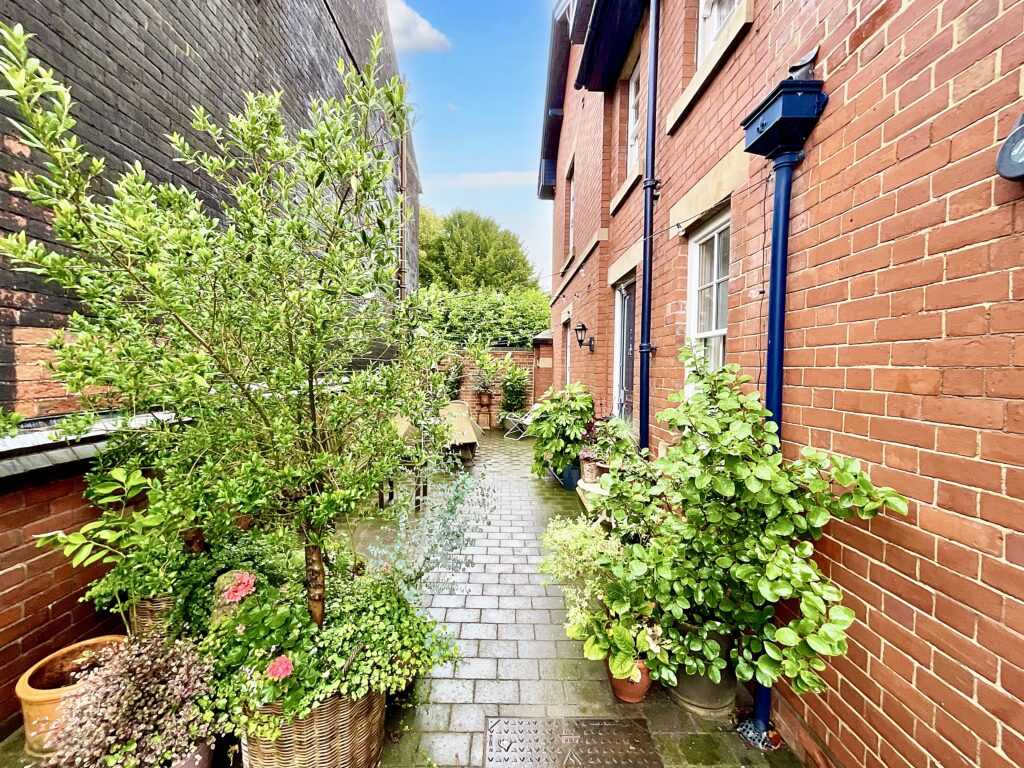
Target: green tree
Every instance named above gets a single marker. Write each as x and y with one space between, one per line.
260 325
466 251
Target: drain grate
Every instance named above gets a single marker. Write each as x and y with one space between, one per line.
583 742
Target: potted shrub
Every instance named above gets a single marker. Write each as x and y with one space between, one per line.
603 606
612 438
588 464
269 321
490 372
559 423
142 544
728 525
140 705
513 390
48 687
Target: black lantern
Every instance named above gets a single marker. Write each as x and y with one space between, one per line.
581 337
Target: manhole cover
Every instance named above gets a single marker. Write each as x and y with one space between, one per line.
569 743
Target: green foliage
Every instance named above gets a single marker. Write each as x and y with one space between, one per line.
613 437
508 317
271 326
513 389
465 251
577 551
559 423
718 531
9 421
454 370
374 639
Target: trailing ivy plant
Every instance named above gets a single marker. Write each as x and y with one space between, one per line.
739 538
559 423
268 320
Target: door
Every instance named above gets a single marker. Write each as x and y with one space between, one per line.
627 342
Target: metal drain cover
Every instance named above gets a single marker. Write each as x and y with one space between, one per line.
556 742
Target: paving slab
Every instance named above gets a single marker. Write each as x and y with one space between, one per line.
517 668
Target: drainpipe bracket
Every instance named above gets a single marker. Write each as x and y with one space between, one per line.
647 349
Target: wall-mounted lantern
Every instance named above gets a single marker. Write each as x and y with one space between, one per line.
581 337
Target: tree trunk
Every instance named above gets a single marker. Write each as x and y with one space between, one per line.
316 576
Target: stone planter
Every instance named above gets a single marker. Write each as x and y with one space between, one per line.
589 470
45 687
699 695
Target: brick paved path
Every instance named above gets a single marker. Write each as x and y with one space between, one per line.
515 660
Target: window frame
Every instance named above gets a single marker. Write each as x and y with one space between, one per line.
708 232
570 217
705 37
567 338
634 125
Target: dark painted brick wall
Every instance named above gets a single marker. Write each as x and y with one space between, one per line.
136 67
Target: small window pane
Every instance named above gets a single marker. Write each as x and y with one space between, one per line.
723 253
707 261
722 308
704 298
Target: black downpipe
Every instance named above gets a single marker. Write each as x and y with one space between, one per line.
650 184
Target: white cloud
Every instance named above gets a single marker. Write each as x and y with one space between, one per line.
412 32
453 107
484 179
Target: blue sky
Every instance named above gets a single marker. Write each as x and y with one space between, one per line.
476 72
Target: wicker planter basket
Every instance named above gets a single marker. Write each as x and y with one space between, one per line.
150 614
340 733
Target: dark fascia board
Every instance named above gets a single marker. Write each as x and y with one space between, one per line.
554 102
581 21
613 25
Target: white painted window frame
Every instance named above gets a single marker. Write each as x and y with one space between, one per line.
709 231
712 18
567 339
620 300
571 218
634 125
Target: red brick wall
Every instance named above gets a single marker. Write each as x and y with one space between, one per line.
903 346
488 418
543 369
40 610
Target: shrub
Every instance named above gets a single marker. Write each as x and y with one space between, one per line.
559 423
510 318
513 389
140 706
721 529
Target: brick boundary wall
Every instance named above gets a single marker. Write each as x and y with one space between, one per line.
522 357
904 344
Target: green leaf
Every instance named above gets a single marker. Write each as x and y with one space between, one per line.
787 636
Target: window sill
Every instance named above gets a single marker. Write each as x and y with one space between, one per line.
740 21
624 190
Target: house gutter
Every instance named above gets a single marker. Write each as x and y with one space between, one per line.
650 186
777 129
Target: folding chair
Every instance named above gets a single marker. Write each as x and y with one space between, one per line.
518 424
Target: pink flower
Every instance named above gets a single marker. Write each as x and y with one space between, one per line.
280 668
244 585
240 629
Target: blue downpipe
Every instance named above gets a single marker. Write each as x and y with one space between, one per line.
650 183
784 165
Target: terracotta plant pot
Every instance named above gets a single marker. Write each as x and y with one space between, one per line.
627 690
602 469
45 687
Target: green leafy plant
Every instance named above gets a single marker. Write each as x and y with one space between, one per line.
559 423
728 525
453 373
512 316
613 438
490 370
513 389
268 321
